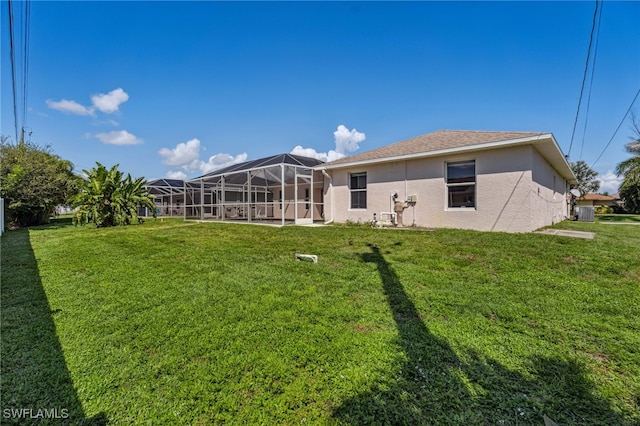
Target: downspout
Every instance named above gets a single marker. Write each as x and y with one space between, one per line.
324 172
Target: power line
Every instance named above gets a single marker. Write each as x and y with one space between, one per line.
584 76
593 70
19 55
617 128
25 61
13 68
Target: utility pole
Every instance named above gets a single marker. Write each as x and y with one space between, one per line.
21 141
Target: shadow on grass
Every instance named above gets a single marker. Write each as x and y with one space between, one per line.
58 222
435 386
36 384
618 218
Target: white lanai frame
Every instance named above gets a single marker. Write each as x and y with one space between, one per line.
280 189
169 197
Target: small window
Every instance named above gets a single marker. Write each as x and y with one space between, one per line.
358 188
461 184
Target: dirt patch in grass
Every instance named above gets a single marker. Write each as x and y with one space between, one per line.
570 260
365 328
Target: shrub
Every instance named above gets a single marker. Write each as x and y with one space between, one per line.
34 181
108 199
603 209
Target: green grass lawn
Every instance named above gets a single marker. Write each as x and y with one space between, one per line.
184 323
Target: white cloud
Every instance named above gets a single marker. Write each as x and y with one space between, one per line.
609 182
346 141
193 166
176 174
110 102
312 153
186 156
221 160
70 107
182 155
119 137
107 103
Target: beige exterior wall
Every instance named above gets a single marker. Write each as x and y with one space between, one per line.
507 184
548 195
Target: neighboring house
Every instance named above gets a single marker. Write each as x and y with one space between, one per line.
595 200
488 181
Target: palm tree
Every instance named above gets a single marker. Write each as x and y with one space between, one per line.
106 199
132 195
630 169
586 176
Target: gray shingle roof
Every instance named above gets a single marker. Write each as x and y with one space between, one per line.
296 160
168 183
235 173
436 141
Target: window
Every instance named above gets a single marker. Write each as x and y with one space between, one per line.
358 188
461 184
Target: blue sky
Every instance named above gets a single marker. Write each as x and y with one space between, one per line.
178 88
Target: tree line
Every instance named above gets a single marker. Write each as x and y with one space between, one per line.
33 181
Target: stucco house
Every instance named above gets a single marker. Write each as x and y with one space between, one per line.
487 181
595 200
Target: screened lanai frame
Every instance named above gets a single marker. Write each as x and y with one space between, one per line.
168 197
282 189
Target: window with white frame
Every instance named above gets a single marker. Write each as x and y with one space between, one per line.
461 184
358 189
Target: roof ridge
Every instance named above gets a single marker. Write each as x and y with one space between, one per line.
488 131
